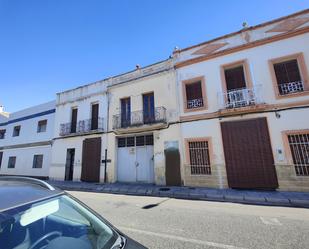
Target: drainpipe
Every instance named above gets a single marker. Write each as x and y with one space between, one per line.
107 130
181 145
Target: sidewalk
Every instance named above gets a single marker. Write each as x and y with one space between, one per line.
272 198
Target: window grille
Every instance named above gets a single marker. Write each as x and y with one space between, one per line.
299 146
199 158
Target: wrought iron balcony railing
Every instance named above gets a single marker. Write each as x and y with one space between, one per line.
139 118
83 126
291 87
195 103
240 97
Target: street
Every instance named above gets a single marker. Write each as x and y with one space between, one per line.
172 223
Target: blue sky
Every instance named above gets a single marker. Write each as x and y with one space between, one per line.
47 46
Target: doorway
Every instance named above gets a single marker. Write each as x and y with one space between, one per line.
69 165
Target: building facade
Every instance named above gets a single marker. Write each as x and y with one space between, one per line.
26 140
143 120
244 107
232 112
80 134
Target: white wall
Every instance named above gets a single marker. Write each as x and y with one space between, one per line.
257 58
29 142
28 131
24 161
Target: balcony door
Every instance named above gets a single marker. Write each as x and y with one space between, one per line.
94 116
73 120
125 112
148 108
235 78
237 94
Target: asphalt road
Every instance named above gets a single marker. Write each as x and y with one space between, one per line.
171 223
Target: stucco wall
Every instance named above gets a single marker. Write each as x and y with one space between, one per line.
257 58
289 120
163 85
24 161
59 153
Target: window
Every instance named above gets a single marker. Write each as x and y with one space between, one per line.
140 141
37 161
235 78
121 142
16 131
149 139
194 94
148 108
237 89
299 147
125 112
130 141
73 120
289 75
2 134
1 155
42 124
198 157
12 161
135 141
94 116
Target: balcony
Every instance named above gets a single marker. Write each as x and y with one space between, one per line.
82 127
140 118
242 97
291 87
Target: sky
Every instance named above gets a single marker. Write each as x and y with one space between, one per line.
48 46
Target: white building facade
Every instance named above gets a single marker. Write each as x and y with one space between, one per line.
232 112
143 142
80 134
244 108
26 140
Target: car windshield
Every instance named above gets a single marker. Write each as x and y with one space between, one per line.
59 222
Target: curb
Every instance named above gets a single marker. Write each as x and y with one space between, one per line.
186 195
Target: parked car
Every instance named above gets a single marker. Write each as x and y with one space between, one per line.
34 215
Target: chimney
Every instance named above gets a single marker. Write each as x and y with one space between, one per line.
1 108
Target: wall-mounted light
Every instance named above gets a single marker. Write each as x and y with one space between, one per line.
277 115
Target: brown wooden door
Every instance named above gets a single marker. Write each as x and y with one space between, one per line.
91 160
248 154
172 167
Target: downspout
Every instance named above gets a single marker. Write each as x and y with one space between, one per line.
107 129
181 146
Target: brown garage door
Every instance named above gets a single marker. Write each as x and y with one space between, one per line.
248 154
91 160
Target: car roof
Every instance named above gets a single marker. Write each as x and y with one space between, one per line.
20 191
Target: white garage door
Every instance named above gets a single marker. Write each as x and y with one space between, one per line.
135 159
